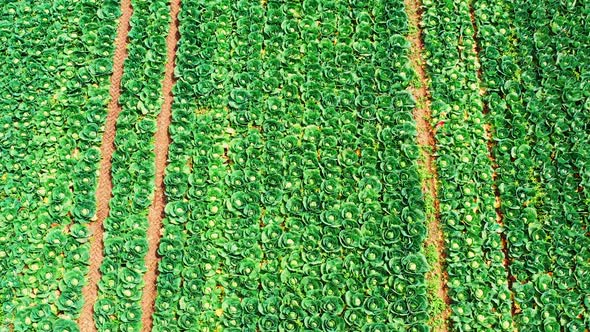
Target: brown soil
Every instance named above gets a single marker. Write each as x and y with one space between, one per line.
426 139
104 189
162 141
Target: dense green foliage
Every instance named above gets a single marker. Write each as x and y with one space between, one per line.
477 278
293 190
294 198
55 60
536 74
478 284
118 307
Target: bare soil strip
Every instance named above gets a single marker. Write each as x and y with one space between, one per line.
427 143
105 186
490 146
162 141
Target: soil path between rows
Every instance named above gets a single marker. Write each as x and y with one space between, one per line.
105 185
427 143
162 142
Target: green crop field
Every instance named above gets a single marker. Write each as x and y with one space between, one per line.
294 165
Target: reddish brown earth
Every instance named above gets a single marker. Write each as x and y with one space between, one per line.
104 189
426 139
162 141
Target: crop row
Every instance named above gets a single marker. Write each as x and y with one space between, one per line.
478 286
294 200
535 72
118 307
55 60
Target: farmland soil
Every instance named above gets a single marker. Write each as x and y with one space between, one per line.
426 141
162 141
104 189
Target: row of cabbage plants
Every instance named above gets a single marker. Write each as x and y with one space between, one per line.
478 284
536 75
118 307
55 60
294 201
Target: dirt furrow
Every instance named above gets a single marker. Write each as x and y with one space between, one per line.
437 277
104 189
162 141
